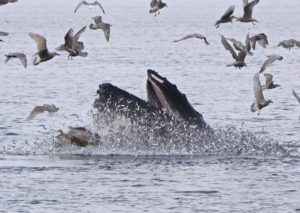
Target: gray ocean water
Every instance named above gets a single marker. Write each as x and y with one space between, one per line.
38 176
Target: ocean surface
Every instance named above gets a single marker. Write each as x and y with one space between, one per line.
38 175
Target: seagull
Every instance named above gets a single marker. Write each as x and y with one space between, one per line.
72 45
3 2
269 82
261 39
43 53
269 61
156 5
79 136
194 35
227 17
20 56
90 4
240 58
248 9
44 108
288 44
241 47
99 24
260 101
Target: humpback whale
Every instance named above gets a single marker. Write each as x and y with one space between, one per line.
166 104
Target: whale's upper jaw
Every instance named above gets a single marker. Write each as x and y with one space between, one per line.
166 95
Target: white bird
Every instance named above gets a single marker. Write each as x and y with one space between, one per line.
20 56
260 101
194 35
89 4
50 108
269 61
99 24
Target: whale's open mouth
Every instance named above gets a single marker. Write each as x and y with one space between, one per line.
166 95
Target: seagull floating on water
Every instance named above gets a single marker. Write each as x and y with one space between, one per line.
43 53
99 24
50 108
72 45
194 35
20 56
156 5
260 101
269 82
227 17
89 4
79 136
269 61
248 10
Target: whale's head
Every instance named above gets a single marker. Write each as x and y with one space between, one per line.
166 95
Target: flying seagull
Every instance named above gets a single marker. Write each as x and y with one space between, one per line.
3 2
269 82
240 57
288 44
89 4
43 53
156 5
99 24
20 56
269 61
248 10
44 108
227 17
194 35
260 101
261 39
240 46
72 45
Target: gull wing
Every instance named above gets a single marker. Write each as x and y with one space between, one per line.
228 47
36 110
98 20
296 96
185 37
79 5
106 30
259 97
20 56
40 41
269 61
153 3
228 12
248 9
78 34
269 79
98 3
